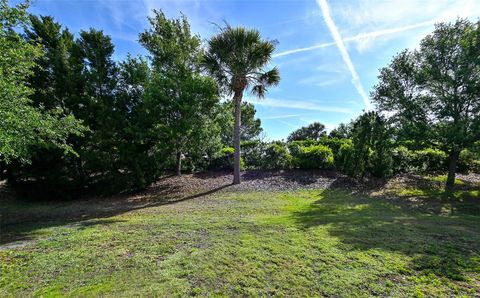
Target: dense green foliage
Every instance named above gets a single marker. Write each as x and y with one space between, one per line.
23 125
250 127
73 119
313 131
431 93
181 103
313 157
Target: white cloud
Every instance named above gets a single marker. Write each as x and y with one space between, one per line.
288 124
365 15
360 37
300 105
343 51
281 117
372 15
322 80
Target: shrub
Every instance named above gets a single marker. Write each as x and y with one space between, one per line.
466 162
475 166
277 157
402 159
429 160
314 157
344 156
224 160
295 148
253 153
380 161
333 143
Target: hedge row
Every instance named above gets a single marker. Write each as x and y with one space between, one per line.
276 156
331 153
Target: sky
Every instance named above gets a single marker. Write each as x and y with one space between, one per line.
328 53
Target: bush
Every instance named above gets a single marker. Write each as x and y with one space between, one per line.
370 149
253 153
295 148
402 159
314 157
333 143
380 161
224 160
277 157
344 156
429 160
467 161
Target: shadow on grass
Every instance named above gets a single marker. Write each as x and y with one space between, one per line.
445 245
301 177
19 218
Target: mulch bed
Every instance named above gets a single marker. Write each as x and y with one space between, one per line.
253 181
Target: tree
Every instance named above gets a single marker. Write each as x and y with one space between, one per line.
182 101
23 125
237 58
370 150
250 128
433 92
80 76
313 131
342 131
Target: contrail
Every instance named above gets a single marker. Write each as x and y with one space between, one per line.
359 37
390 31
318 46
343 51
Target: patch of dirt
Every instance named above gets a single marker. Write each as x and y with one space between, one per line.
251 181
17 244
472 178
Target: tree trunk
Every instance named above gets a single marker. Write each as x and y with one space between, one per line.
237 98
179 163
452 168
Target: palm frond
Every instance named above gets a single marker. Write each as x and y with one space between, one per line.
236 58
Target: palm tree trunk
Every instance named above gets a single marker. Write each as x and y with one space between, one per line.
237 98
179 163
452 168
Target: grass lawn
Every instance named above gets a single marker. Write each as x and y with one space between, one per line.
249 243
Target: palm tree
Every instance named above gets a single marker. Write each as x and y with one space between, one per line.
237 58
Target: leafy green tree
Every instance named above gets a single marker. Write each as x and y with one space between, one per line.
23 125
370 151
432 92
314 131
342 131
250 129
181 100
81 77
237 58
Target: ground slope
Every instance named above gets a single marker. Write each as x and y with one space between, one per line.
332 240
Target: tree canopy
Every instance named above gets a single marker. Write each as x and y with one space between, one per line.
313 131
23 125
433 93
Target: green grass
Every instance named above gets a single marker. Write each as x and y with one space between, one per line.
323 242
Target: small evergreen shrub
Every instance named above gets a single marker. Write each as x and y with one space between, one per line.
315 157
277 157
333 143
224 160
466 162
429 160
253 153
344 156
402 159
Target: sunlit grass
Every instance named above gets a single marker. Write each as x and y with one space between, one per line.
319 242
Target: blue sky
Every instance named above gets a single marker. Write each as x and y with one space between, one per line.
329 51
